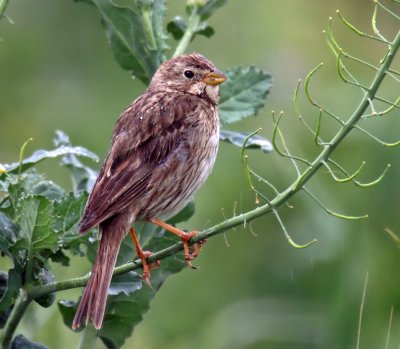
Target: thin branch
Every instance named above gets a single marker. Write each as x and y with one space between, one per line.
374 26
329 211
384 112
386 144
288 237
359 32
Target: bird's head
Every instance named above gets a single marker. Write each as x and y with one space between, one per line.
192 74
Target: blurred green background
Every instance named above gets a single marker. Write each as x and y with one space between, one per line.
252 289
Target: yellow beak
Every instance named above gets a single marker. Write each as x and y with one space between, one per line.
214 78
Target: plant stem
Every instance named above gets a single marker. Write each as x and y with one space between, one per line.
88 338
149 29
21 304
3 5
193 22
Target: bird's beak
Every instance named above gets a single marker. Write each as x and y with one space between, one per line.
214 78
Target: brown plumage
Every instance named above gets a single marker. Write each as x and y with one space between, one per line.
163 148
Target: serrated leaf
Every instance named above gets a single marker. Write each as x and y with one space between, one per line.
136 34
35 221
83 177
40 155
209 8
20 342
238 138
67 214
243 94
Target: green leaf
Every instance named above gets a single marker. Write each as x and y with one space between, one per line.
35 221
243 94
125 284
14 283
20 342
48 189
205 30
67 309
209 8
40 155
177 27
136 34
83 177
67 214
238 138
8 233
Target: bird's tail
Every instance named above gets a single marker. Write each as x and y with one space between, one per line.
94 298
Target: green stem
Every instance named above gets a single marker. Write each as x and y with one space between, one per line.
3 5
88 338
13 320
193 23
148 27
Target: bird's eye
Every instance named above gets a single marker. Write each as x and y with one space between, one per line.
188 74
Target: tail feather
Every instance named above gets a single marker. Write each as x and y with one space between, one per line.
94 298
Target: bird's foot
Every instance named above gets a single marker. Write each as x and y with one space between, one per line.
192 251
143 255
189 252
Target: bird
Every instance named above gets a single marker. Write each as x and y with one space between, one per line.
163 148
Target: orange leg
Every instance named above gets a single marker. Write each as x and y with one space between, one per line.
185 237
143 256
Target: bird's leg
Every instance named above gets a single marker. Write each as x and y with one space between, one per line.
143 256
185 237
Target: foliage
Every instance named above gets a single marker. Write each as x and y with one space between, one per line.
38 218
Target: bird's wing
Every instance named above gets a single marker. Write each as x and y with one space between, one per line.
145 135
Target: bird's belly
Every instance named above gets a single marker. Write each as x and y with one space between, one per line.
180 179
